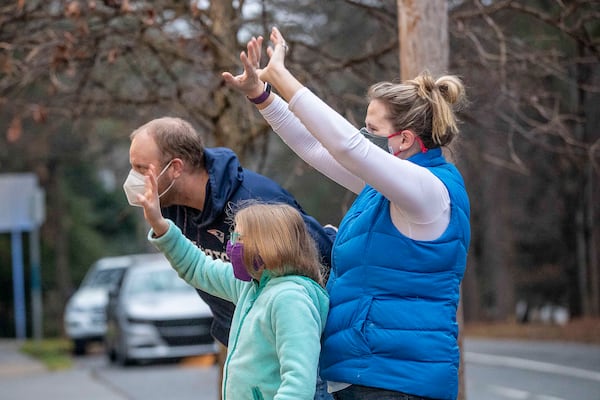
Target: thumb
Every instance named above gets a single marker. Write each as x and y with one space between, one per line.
227 77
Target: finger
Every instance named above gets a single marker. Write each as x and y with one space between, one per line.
252 53
141 199
276 36
259 44
228 78
245 59
242 55
152 176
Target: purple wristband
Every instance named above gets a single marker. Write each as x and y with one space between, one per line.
264 96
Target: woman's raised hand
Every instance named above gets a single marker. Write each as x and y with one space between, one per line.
248 82
251 81
276 55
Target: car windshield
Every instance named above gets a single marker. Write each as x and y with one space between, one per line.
103 278
143 281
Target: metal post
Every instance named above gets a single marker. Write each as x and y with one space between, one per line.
36 283
18 284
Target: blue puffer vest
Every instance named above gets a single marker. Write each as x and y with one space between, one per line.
393 300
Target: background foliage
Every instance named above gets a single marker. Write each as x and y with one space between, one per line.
76 77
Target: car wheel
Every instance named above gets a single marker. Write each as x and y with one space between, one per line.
79 347
120 354
110 353
122 360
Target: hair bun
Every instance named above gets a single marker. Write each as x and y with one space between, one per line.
451 88
424 84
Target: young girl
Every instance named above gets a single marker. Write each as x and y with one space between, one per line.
275 282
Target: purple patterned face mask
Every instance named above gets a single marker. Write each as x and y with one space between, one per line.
235 252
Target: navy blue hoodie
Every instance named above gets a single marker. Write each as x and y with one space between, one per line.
229 183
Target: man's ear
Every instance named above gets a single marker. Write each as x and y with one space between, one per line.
178 165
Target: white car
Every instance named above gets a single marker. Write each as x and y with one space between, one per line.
154 314
85 315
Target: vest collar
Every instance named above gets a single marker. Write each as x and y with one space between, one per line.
432 158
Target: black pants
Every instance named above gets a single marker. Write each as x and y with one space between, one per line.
357 392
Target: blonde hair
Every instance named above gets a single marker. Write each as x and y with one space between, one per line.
276 235
175 138
425 105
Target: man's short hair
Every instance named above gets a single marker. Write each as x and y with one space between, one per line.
175 138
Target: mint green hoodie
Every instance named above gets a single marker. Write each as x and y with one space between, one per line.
275 336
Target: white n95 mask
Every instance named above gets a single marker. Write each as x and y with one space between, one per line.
134 185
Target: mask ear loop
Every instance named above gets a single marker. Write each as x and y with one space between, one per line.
423 148
395 153
164 169
159 175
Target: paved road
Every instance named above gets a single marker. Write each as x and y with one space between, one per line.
527 370
495 370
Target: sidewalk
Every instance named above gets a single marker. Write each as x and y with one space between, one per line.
14 363
24 378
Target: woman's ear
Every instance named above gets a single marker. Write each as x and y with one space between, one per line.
407 138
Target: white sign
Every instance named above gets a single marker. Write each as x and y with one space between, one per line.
22 204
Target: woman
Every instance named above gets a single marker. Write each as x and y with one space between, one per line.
401 249
274 279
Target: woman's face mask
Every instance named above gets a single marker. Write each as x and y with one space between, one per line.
383 141
135 184
380 141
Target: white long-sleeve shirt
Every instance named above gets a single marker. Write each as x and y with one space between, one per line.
420 204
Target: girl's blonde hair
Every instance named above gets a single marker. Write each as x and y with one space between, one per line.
276 236
425 105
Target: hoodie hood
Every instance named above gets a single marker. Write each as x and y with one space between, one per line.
225 175
317 293
320 297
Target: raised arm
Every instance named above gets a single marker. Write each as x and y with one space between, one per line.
417 196
285 123
190 262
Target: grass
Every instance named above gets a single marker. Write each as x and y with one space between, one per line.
54 353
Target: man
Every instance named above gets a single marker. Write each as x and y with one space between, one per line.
197 186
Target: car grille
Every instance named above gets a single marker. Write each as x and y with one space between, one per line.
185 332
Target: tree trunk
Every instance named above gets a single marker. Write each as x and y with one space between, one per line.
58 232
423 40
423 37
587 260
236 124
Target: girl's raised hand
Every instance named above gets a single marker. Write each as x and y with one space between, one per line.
151 203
